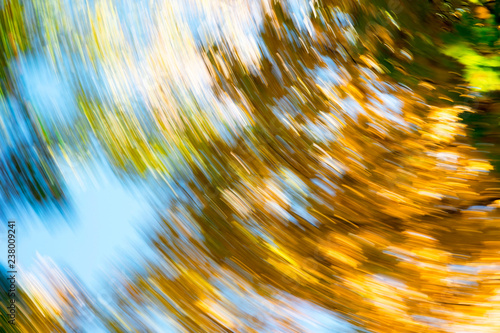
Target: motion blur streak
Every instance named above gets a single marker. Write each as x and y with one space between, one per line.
313 166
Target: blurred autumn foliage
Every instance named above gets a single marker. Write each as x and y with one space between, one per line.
346 177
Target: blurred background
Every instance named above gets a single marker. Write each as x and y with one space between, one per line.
251 165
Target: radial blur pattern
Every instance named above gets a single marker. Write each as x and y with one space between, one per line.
251 165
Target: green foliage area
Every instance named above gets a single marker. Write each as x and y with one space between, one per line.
475 43
13 32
